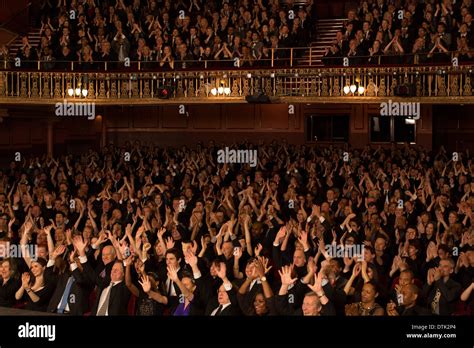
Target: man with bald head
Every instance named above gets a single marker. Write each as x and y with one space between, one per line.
104 265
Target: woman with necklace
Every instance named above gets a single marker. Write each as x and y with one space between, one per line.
367 306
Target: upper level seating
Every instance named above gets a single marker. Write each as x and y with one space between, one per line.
165 34
405 32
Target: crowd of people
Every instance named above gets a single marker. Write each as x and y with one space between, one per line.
144 230
167 35
405 32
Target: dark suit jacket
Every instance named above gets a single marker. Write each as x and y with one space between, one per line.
450 292
413 311
97 278
118 303
78 299
7 292
162 271
231 310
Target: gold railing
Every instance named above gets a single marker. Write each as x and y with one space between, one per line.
429 83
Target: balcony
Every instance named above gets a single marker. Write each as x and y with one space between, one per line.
280 81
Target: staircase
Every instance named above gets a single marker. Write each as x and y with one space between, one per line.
325 34
33 37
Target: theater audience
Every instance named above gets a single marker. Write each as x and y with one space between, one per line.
408 32
175 232
186 27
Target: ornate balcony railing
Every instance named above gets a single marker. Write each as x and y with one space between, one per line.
432 84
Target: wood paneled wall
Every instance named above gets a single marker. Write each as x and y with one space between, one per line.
25 129
453 127
220 122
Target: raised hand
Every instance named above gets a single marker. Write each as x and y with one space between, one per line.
194 247
221 272
102 238
79 244
25 280
303 238
391 309
258 249
161 232
281 234
128 261
169 243
348 261
311 266
145 283
261 266
317 287
28 226
316 211
48 229
357 269
396 263
128 230
146 247
190 258
173 273
58 251
285 274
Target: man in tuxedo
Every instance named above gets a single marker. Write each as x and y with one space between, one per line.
306 24
64 58
441 291
225 303
385 194
229 37
332 199
104 267
341 43
411 213
354 53
255 285
332 56
315 302
285 41
363 45
73 288
113 299
285 38
169 287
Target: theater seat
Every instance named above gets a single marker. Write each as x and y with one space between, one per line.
19 305
131 305
92 297
462 308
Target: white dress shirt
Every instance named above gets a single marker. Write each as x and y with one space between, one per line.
104 295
